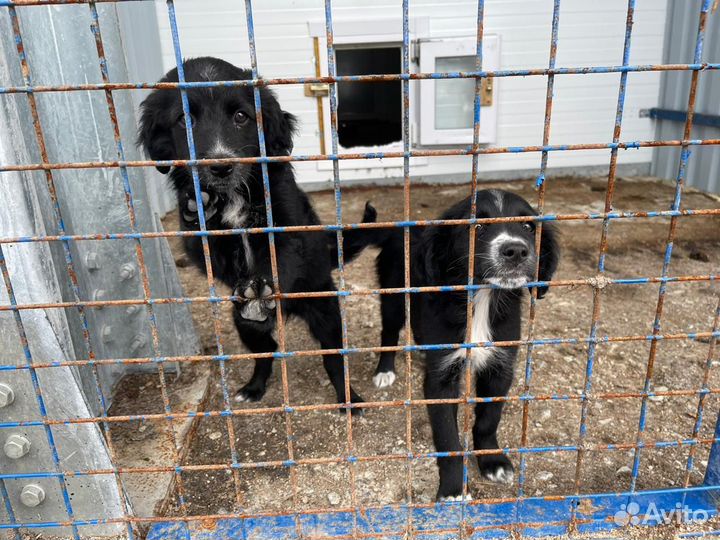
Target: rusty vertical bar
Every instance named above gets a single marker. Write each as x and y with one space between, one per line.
603 248
406 258
274 269
147 294
139 254
679 182
703 393
540 184
15 532
201 219
464 405
332 72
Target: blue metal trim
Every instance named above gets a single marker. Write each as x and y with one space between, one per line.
699 119
538 517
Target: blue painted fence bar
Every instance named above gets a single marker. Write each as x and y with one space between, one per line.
514 516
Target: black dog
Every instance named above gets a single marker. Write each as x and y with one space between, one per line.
504 257
223 120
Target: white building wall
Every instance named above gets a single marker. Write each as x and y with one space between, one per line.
590 34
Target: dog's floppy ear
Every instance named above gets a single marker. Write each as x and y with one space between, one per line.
437 246
549 256
154 132
279 129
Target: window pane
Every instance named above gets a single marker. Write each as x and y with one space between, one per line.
454 98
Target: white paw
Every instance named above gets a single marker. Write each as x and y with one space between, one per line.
240 397
384 379
456 498
258 302
253 311
500 475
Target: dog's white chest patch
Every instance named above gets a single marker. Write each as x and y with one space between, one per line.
234 213
235 216
480 332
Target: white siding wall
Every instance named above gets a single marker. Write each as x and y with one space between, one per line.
591 34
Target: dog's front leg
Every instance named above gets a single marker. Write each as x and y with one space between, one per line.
496 383
254 316
441 384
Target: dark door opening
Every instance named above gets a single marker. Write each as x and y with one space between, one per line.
369 113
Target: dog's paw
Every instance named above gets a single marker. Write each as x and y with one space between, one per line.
384 379
189 207
354 398
257 303
249 393
498 470
455 498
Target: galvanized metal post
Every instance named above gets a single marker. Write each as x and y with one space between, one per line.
58 46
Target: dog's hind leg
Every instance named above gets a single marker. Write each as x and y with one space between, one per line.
392 309
392 306
323 318
490 383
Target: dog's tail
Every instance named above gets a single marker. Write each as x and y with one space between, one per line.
355 239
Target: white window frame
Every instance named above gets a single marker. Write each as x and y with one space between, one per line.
431 50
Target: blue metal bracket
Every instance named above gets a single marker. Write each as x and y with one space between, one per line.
699 119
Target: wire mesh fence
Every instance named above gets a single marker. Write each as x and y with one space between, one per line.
521 514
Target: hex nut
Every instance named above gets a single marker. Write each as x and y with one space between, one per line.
107 332
99 295
92 261
127 271
16 446
32 495
138 342
7 396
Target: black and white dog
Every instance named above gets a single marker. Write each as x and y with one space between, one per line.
504 257
223 124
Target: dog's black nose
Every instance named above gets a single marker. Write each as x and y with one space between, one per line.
221 170
514 252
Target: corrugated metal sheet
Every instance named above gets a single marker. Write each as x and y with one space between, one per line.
681 28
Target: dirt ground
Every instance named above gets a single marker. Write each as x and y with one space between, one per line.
636 250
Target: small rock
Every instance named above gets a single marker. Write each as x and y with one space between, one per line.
215 435
333 498
658 389
605 421
623 471
545 476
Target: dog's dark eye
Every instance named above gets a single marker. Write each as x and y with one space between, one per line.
528 226
240 118
181 120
